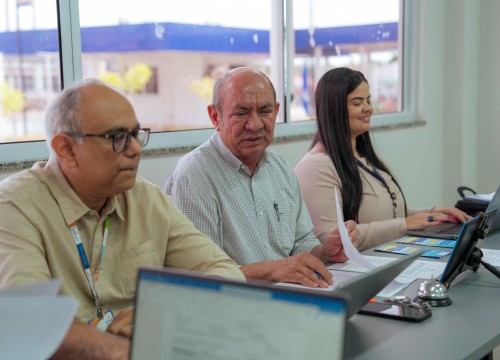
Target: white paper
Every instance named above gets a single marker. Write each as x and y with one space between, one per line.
481 197
338 278
34 320
491 256
350 250
50 288
350 265
329 288
394 287
418 269
422 269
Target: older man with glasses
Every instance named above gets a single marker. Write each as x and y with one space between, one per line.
85 217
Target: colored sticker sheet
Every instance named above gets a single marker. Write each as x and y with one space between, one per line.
437 254
405 250
416 240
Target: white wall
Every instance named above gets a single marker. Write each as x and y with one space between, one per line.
415 154
458 76
488 99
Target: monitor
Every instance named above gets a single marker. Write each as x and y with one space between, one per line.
180 315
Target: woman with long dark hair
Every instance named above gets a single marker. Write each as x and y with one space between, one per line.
342 156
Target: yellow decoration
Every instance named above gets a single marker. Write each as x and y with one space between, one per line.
203 88
112 79
136 77
12 100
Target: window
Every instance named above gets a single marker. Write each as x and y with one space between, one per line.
359 34
166 57
29 67
189 50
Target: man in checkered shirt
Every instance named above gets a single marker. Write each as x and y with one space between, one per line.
247 197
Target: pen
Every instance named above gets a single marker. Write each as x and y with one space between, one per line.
277 210
319 275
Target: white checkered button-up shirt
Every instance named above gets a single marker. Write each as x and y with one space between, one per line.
252 218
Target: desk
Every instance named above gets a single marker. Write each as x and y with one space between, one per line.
467 329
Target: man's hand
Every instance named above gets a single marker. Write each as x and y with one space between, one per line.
333 249
122 324
304 269
85 342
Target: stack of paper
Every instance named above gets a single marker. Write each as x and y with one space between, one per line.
486 198
34 320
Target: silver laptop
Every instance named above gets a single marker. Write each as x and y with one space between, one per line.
493 222
185 316
362 288
451 230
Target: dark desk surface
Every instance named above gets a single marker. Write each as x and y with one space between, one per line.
467 329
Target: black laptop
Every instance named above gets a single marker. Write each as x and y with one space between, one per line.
451 230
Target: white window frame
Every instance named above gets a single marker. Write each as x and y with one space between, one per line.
71 61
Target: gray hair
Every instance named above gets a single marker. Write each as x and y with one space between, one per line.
63 114
222 81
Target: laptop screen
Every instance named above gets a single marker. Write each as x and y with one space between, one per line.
184 316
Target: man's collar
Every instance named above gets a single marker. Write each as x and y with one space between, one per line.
232 159
72 207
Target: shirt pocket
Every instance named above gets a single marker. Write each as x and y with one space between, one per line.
129 261
285 228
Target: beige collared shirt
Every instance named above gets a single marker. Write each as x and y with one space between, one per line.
37 207
318 179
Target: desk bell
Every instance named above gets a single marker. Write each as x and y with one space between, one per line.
434 293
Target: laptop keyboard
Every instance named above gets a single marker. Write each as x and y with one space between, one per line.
453 229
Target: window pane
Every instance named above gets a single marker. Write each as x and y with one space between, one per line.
359 34
29 67
166 54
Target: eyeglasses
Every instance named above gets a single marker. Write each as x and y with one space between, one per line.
121 139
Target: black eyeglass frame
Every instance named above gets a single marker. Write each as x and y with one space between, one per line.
135 133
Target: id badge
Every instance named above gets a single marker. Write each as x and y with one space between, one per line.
102 324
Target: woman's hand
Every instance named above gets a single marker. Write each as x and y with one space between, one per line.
451 211
435 217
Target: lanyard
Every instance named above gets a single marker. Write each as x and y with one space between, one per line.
85 263
103 248
374 172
